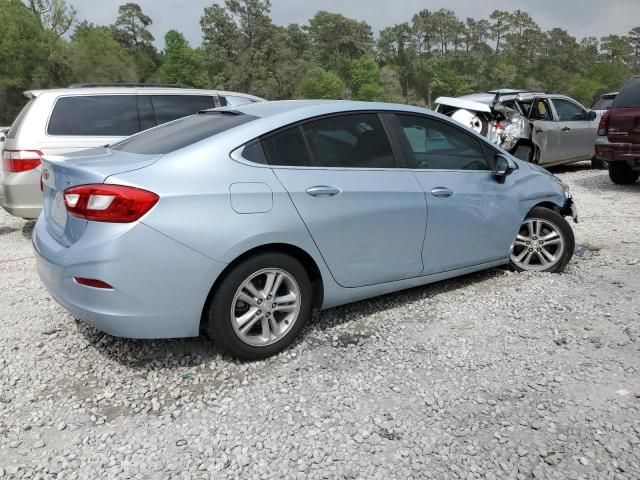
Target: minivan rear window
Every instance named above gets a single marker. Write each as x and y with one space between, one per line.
629 96
95 115
172 107
181 133
18 120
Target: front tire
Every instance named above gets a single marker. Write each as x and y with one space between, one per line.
260 306
545 243
622 174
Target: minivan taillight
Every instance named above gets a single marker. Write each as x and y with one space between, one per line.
15 161
109 203
603 126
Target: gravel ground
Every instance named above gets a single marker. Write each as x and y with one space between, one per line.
494 375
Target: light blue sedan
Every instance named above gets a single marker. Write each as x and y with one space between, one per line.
240 221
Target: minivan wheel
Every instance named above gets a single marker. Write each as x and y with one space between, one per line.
545 243
260 307
622 174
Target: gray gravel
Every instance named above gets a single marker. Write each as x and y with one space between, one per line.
494 375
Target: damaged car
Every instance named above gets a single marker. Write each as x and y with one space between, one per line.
541 128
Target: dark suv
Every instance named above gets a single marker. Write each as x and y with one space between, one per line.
621 125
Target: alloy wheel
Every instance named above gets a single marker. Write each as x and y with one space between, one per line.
539 245
265 307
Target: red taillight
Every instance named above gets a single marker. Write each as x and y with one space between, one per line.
603 126
92 282
109 203
14 161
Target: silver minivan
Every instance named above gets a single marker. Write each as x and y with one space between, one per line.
60 121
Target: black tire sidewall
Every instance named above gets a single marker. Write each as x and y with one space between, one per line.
219 326
565 230
622 174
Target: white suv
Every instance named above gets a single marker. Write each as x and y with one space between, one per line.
89 115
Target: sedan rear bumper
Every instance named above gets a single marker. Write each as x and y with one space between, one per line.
151 298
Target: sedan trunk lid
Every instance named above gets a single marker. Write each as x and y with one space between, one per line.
90 166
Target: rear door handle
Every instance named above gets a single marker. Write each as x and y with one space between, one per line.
322 191
566 129
442 192
538 130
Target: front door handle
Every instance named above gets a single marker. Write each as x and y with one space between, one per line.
566 129
322 191
538 130
442 192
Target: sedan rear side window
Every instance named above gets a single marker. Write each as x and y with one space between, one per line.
438 146
95 115
181 133
343 141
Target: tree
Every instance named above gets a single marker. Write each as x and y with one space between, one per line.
364 74
95 57
182 64
422 26
336 40
30 57
321 84
618 48
54 15
131 31
395 47
634 40
131 27
501 25
238 40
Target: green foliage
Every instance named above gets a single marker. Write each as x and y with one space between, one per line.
332 56
182 64
54 15
321 84
30 57
94 56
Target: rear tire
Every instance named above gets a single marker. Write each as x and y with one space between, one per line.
545 236
621 174
272 326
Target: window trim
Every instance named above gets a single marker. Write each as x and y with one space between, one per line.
550 107
299 124
410 156
55 103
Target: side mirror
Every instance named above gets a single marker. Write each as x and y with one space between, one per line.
503 167
592 115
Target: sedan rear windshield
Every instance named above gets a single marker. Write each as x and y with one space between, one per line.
629 96
181 133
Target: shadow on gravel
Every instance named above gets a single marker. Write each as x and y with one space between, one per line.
7 230
573 167
149 355
27 229
372 306
603 184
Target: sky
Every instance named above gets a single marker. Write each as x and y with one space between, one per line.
580 17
